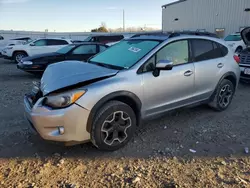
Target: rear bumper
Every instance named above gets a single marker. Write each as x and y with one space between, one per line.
47 122
244 76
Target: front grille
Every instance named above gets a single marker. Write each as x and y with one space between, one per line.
245 58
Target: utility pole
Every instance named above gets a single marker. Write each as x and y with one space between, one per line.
123 20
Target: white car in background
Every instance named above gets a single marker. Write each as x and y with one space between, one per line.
35 47
11 42
235 42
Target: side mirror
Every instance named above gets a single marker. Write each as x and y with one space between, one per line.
164 65
32 44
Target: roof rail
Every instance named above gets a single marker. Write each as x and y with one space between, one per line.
172 34
150 34
197 33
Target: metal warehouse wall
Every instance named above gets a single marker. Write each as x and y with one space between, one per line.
206 14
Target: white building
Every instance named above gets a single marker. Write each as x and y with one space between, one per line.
220 16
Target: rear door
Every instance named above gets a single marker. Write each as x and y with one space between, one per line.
209 63
83 52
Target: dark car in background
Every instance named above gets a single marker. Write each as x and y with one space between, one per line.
245 56
80 52
104 39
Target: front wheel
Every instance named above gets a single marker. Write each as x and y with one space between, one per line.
113 126
18 56
223 96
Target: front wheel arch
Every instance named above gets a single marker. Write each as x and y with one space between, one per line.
126 97
18 51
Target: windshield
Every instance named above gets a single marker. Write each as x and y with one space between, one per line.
125 53
233 38
65 49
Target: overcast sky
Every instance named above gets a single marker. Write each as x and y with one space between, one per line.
78 15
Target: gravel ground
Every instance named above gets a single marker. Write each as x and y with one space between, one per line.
194 147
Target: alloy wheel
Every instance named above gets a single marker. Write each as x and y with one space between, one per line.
19 57
225 96
114 128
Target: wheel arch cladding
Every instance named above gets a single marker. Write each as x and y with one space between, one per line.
18 51
229 76
232 77
126 97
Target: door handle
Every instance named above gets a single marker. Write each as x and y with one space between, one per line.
188 73
220 65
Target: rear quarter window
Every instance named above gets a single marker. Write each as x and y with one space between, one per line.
224 50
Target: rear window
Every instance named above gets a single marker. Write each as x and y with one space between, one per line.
206 50
233 38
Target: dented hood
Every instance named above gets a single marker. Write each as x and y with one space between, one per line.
69 73
245 35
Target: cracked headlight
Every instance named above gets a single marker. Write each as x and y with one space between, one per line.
63 100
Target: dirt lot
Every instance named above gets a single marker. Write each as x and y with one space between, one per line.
158 156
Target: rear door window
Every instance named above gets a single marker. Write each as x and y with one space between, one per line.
205 50
1 38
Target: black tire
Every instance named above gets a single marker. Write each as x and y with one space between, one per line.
113 114
18 56
218 102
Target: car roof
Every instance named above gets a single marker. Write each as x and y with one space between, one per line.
106 35
54 39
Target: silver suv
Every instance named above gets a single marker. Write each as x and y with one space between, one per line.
104 99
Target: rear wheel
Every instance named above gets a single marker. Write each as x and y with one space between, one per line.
223 96
18 56
113 126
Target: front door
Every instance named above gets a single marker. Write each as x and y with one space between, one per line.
172 88
82 53
38 47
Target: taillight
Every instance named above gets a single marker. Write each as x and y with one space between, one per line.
237 58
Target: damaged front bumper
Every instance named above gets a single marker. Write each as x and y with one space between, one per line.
61 125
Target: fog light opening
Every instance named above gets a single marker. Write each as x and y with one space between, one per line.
61 130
